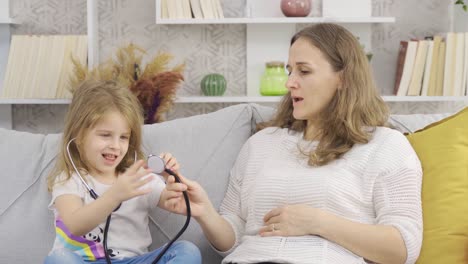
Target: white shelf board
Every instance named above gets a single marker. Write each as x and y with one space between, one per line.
277 20
34 101
228 99
4 20
245 99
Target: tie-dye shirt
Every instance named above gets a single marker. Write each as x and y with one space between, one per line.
128 234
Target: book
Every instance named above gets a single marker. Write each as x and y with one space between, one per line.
418 69
218 8
459 59
172 9
186 10
400 63
427 68
449 70
441 69
164 11
196 8
465 69
40 67
207 9
36 44
407 68
431 90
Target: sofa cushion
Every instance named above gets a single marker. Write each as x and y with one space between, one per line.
413 122
262 113
442 148
206 147
403 123
26 224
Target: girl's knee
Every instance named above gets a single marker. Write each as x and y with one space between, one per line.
189 250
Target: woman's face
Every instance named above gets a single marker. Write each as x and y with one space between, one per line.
312 81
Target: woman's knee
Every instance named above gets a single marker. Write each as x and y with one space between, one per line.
63 255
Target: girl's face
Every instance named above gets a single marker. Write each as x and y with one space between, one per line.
312 81
106 144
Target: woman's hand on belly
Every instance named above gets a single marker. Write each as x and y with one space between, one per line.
292 220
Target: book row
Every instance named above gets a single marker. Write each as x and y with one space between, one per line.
187 9
434 66
41 66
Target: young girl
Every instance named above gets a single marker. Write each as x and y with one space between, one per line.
102 141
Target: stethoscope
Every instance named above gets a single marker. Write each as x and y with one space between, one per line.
156 164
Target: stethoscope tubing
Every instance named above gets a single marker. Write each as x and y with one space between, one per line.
95 196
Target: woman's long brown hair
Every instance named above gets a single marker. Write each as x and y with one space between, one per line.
355 110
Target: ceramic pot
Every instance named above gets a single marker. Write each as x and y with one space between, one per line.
213 84
296 8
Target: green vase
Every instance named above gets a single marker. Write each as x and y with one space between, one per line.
273 81
213 84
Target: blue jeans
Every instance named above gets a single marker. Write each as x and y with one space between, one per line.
181 252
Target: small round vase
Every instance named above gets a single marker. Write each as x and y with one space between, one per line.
213 84
296 8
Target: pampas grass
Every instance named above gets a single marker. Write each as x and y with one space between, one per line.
155 84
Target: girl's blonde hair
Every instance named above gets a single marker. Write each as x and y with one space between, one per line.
93 99
354 108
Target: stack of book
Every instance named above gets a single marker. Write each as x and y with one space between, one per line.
434 66
187 9
40 67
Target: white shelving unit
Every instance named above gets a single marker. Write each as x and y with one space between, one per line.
269 32
5 36
277 20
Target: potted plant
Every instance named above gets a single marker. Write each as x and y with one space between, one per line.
462 3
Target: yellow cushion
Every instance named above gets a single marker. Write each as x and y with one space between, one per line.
442 148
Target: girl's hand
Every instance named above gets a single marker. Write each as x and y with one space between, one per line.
172 198
292 220
130 183
170 163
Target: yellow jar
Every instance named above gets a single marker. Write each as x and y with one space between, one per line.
273 81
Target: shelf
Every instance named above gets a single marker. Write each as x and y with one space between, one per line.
8 21
243 99
229 99
277 20
34 101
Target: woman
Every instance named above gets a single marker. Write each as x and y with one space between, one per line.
325 181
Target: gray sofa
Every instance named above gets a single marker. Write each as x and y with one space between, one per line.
206 146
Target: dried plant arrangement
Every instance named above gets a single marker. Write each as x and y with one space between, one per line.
155 83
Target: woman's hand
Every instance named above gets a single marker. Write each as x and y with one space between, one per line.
130 183
170 163
292 220
172 198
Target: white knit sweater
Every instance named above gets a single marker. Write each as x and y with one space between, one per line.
374 183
